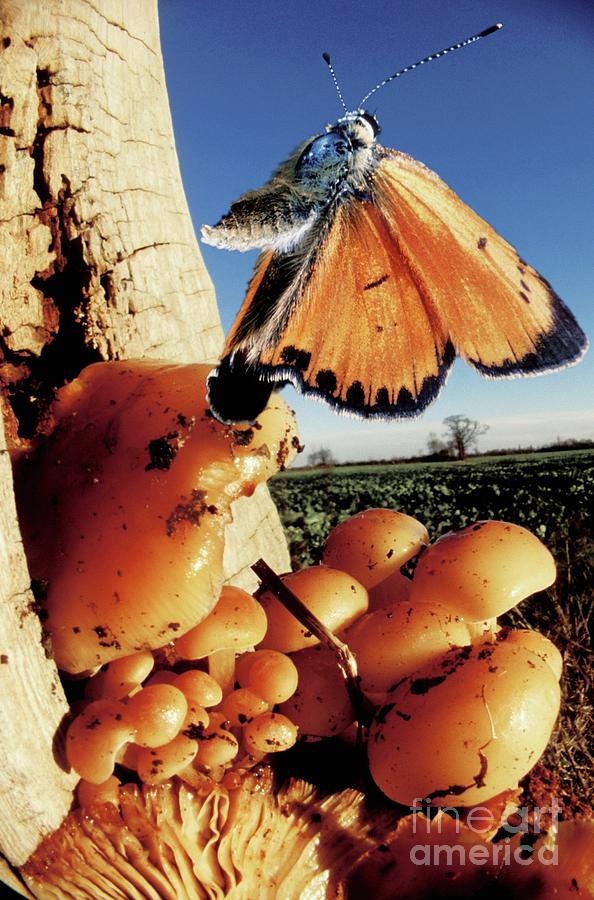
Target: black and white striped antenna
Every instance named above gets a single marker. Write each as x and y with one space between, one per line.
326 58
436 55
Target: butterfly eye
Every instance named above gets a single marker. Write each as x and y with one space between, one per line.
325 151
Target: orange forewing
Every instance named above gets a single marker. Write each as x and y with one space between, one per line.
370 337
500 314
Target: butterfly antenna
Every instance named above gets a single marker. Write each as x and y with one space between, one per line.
326 58
435 55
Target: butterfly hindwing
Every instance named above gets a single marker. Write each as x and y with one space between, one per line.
502 316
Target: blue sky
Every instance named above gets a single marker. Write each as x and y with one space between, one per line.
507 122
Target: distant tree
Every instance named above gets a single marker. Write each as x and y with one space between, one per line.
321 457
462 434
438 448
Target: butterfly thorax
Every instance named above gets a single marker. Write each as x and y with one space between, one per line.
323 171
339 159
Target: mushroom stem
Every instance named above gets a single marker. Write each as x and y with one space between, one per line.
221 667
363 707
483 631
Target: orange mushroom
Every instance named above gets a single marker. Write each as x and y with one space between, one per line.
236 623
121 677
241 706
320 707
269 733
335 597
373 544
155 765
124 506
89 794
396 587
466 728
390 643
95 737
268 673
483 570
157 713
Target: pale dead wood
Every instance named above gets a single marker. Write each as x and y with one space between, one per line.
35 792
99 261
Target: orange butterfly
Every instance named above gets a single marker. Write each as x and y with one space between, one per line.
373 276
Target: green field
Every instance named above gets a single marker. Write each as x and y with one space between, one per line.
552 494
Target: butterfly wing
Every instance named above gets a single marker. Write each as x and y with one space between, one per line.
370 312
356 330
503 317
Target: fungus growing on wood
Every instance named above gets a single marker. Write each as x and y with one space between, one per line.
123 507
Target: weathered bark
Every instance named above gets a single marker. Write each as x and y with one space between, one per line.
99 261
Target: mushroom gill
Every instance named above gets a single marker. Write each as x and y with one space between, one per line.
169 841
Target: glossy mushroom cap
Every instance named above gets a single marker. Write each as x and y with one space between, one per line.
373 544
123 508
335 597
467 728
483 570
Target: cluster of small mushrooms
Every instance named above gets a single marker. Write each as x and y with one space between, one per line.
123 514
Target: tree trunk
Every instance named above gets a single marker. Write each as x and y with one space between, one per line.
99 261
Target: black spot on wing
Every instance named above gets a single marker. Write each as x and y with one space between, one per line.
355 396
298 359
406 402
326 381
524 297
382 399
376 283
481 243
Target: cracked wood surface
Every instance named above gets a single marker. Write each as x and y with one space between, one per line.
100 261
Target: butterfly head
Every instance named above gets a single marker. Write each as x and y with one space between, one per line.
362 126
343 151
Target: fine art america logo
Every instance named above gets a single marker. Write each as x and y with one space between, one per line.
435 846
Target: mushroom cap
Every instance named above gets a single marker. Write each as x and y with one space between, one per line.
241 706
540 645
467 728
236 623
124 506
335 597
94 738
483 570
269 732
157 713
390 643
120 677
270 674
320 707
373 544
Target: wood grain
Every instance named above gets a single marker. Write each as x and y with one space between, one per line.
100 261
